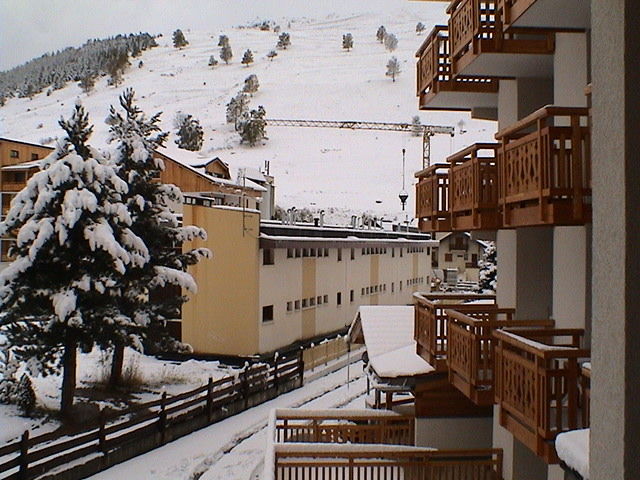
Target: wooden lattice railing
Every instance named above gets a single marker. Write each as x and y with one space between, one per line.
431 321
470 348
473 188
311 462
545 168
432 199
343 426
536 385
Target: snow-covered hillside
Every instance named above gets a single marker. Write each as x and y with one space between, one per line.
359 171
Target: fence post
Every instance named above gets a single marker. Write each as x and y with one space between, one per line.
24 451
301 366
162 418
209 399
102 438
244 386
275 372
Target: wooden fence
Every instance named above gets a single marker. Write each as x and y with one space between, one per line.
126 434
324 352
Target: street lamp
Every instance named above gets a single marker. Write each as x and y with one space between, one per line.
403 195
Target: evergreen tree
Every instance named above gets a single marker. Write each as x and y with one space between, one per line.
236 108
393 68
179 40
420 28
488 269
416 129
252 126
117 64
223 40
212 61
87 83
390 42
272 54
72 248
148 201
226 54
247 57
347 41
381 33
190 134
284 40
25 395
251 84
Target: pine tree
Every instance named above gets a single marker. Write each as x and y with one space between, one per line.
420 28
223 40
179 40
347 41
390 42
236 108
272 54
212 61
247 57
156 225
488 273
190 134
381 33
226 54
252 126
416 126
72 248
25 395
117 64
393 68
251 84
87 83
284 40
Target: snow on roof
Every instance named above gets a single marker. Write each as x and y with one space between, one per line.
254 174
388 336
573 449
24 165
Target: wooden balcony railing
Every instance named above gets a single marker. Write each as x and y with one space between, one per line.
470 350
585 384
536 385
473 188
545 168
431 321
432 199
434 74
343 426
475 27
313 462
13 186
512 9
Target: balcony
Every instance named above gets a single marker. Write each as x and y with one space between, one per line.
480 46
439 89
431 321
536 385
545 169
545 13
470 350
473 188
432 199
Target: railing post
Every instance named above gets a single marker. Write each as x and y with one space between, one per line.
275 372
102 439
209 399
162 418
244 387
301 367
24 452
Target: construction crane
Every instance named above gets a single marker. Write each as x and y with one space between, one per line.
427 131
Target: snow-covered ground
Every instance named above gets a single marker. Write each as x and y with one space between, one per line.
343 170
233 448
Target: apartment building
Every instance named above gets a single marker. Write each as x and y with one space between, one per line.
271 284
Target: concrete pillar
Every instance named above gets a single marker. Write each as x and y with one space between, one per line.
534 263
615 416
570 70
519 97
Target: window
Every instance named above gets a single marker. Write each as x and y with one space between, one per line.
326 252
353 253
351 296
319 299
305 252
267 313
393 287
400 285
312 302
34 156
401 252
339 298
268 256
339 254
393 253
289 306
325 298
448 257
297 304
363 251
362 291
14 154
312 252
298 252
290 252
304 303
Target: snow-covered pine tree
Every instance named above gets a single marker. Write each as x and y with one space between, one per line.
390 42
381 33
252 126
25 396
179 40
72 248
251 84
416 126
87 83
347 41
189 133
488 274
116 65
157 226
226 54
284 40
236 108
393 68
212 61
247 57
420 28
223 40
272 54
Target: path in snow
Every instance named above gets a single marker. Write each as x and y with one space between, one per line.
231 449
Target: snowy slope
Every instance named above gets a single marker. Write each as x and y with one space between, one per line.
313 79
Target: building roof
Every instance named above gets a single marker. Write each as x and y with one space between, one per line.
24 165
3 139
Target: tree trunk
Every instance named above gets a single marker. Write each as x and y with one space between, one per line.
117 362
68 378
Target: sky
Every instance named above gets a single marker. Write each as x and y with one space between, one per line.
30 28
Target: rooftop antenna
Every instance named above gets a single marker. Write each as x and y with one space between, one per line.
403 195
